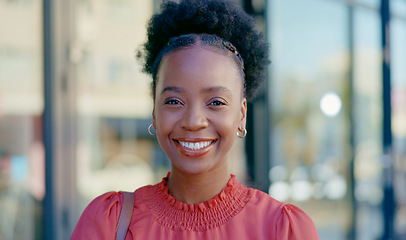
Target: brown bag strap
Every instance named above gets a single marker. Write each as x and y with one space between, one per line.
125 215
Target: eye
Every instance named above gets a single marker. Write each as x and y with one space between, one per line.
216 103
172 102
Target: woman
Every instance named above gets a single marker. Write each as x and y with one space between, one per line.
206 59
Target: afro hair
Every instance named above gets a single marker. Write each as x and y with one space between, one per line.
212 17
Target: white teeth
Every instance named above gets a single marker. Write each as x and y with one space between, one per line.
196 145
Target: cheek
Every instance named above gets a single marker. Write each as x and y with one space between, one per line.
163 119
227 124
166 121
165 125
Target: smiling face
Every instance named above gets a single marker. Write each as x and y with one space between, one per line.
198 108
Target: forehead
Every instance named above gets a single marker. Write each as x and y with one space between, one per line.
199 65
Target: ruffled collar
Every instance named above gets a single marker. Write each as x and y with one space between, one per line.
211 203
174 214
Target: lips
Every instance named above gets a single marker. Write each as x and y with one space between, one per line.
194 148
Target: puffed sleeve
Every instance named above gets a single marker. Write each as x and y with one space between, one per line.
99 219
294 224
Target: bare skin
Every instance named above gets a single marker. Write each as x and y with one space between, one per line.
198 109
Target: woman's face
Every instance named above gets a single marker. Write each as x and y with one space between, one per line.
198 108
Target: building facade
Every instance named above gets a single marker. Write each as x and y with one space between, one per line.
327 133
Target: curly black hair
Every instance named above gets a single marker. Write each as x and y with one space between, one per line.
225 26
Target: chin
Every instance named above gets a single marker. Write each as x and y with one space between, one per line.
198 166
191 170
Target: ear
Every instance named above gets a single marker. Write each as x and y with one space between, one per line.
153 118
243 119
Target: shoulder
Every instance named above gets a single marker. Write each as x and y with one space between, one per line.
294 223
108 204
264 200
289 221
99 219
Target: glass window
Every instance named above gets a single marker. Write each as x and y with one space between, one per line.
398 63
370 3
367 104
22 186
398 8
114 150
309 92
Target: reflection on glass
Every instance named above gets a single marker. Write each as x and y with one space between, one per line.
114 151
370 3
22 187
398 57
368 123
310 128
398 8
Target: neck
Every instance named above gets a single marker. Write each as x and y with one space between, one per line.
198 188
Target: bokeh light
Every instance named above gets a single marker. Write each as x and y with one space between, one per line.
330 104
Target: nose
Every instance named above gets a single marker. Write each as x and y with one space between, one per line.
194 119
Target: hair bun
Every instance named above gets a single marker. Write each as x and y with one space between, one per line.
221 18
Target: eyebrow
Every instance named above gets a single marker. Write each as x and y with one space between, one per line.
217 89
173 89
206 90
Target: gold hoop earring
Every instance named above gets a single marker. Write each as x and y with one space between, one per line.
244 133
149 130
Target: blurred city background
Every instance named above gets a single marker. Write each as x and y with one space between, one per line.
327 132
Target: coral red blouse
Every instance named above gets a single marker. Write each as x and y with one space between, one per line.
236 213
